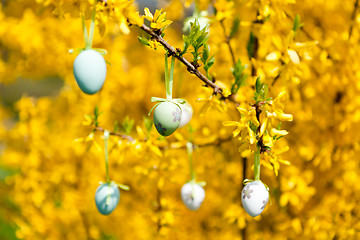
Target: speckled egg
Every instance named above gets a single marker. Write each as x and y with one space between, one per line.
90 71
167 118
254 198
186 114
107 197
192 195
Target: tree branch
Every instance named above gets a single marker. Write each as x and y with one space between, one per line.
228 43
190 67
100 129
353 15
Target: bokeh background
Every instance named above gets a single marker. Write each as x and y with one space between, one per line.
51 163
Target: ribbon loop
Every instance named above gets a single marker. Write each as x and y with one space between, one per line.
176 101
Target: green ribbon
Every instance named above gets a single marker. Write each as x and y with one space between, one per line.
176 101
246 181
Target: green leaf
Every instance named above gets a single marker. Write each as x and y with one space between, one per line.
96 111
258 85
210 62
96 116
297 23
148 123
205 54
127 125
239 75
197 38
123 187
251 45
253 127
144 41
116 126
234 27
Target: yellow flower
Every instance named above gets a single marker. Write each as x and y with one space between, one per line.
158 20
154 44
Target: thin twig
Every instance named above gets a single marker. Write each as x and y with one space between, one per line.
227 40
190 67
353 15
131 139
216 142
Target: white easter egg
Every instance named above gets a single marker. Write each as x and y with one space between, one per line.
192 195
254 198
167 117
186 114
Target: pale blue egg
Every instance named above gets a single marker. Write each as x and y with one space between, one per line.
90 71
167 118
107 197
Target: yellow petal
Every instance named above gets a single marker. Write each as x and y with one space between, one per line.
242 111
284 117
230 123
284 162
136 19
275 131
243 147
263 127
157 14
273 56
293 56
299 45
148 14
268 141
252 136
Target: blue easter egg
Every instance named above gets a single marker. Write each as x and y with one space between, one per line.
107 197
90 71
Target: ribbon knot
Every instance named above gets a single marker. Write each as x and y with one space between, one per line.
176 101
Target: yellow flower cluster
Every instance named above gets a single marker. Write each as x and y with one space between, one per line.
158 20
52 158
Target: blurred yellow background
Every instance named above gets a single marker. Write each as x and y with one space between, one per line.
51 162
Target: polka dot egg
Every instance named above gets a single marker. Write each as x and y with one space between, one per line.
254 198
167 118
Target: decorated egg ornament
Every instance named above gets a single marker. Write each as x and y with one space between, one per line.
186 114
192 195
167 118
90 71
254 198
107 197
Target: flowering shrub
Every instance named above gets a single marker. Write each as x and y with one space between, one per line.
273 85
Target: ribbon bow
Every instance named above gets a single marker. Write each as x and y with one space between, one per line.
246 181
176 101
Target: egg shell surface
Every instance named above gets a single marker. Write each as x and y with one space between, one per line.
186 114
107 197
167 118
254 198
90 71
192 195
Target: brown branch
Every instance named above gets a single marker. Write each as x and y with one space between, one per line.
227 37
131 139
216 142
190 67
353 15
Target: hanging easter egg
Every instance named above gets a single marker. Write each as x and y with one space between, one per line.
186 114
254 198
167 118
90 71
107 197
192 195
